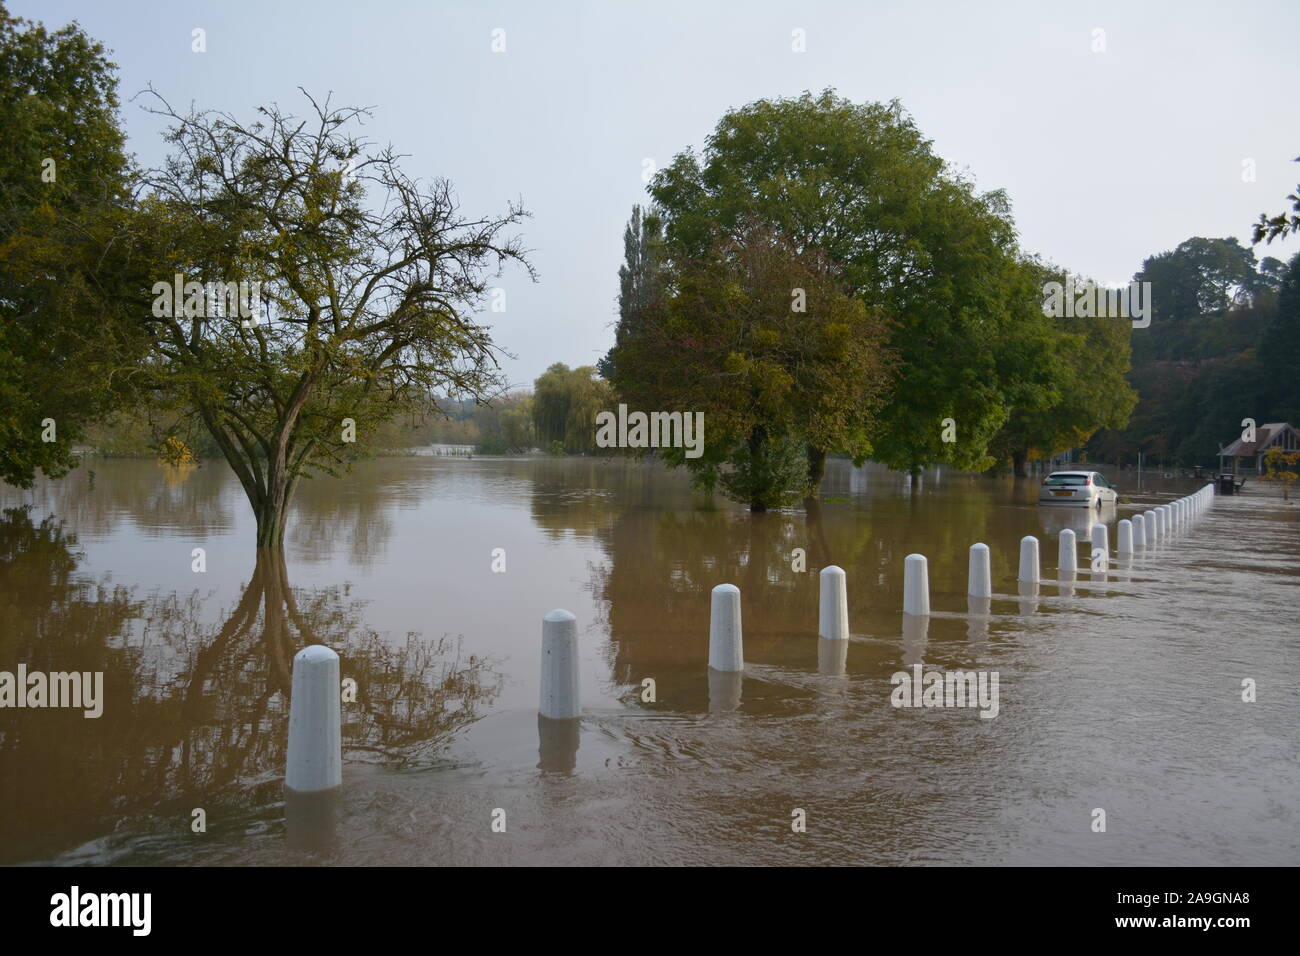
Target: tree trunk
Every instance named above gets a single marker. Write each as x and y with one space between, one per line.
817 533
757 438
271 514
816 469
1018 462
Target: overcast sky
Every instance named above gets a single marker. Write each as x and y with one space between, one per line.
1107 156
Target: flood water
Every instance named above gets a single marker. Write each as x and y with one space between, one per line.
1122 693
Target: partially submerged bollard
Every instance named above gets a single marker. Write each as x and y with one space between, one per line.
916 585
1028 596
1124 545
1067 554
726 652
1100 542
833 607
1151 522
1139 532
979 577
560 699
315 760
978 610
1029 559
832 658
557 744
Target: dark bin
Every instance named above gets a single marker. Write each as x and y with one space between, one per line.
1227 484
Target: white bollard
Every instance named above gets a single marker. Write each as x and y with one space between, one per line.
916 585
979 577
1067 554
560 699
833 609
315 760
1139 532
1124 545
726 652
1100 541
1151 522
1166 525
1028 559
1028 596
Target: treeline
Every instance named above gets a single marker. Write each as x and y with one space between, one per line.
818 282
1223 346
557 416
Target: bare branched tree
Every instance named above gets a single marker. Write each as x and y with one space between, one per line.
369 286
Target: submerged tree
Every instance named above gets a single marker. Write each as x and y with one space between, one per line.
1065 377
369 285
764 340
909 237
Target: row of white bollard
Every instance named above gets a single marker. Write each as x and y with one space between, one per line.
315 758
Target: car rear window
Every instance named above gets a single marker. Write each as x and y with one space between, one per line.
1054 481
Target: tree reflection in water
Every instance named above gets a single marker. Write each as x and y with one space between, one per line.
195 714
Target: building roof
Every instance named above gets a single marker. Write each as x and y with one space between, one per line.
1265 435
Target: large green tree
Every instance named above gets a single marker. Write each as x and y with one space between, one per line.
1064 377
764 340
908 236
64 186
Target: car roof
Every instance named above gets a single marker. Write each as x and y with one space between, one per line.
1072 473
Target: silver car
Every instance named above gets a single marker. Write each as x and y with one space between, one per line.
1085 489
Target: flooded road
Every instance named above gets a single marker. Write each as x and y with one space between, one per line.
1123 692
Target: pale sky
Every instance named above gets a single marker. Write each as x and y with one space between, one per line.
1107 157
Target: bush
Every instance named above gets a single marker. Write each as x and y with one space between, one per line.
774 476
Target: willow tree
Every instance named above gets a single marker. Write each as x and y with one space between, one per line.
370 287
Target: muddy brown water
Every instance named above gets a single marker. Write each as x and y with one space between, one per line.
1122 693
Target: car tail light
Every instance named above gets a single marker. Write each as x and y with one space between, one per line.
1088 480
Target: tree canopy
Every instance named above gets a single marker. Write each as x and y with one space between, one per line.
970 371
64 184
369 282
